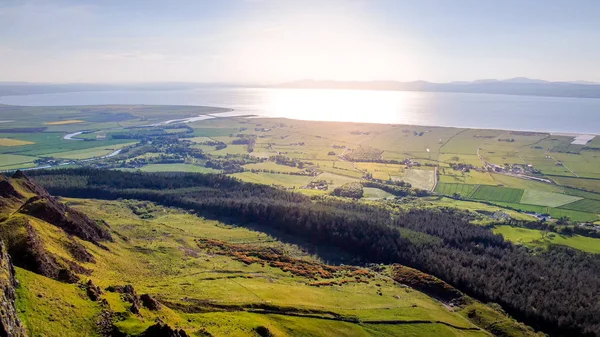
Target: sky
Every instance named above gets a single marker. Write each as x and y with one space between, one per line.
273 41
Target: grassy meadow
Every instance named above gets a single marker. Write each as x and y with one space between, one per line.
156 250
534 237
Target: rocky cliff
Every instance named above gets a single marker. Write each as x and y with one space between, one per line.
10 325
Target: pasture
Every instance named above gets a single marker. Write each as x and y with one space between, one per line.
555 212
319 145
285 180
375 193
423 179
475 206
550 199
584 205
464 190
335 180
271 166
10 161
592 185
177 168
89 152
497 193
534 237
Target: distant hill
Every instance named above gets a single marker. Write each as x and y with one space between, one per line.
25 88
513 86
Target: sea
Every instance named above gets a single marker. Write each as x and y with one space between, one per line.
578 116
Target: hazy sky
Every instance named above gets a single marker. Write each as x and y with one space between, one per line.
270 41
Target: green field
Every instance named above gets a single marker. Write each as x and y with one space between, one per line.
47 144
550 199
285 180
497 193
584 205
89 152
464 190
271 166
423 179
319 145
14 160
475 206
375 193
553 211
587 184
533 237
335 180
177 168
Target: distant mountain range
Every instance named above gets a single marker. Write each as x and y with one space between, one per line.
26 88
513 86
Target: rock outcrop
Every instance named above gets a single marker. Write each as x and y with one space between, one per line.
22 202
10 325
71 221
8 194
25 245
163 330
35 201
149 302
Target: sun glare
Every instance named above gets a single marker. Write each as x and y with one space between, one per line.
337 105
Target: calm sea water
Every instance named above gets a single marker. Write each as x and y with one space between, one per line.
554 114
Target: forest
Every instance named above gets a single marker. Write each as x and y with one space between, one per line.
554 290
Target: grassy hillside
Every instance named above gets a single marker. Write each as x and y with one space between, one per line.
209 278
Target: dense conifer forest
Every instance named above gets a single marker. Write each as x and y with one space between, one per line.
554 290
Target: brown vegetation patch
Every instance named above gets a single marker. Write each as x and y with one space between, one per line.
250 254
14 142
426 283
63 122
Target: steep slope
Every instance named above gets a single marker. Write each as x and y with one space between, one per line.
10 324
27 209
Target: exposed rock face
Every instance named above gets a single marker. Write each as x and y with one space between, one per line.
93 291
27 249
71 221
150 302
8 194
10 325
263 331
129 295
28 185
163 330
35 201
21 199
7 190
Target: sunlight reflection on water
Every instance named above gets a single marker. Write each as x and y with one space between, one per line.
339 105
559 114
